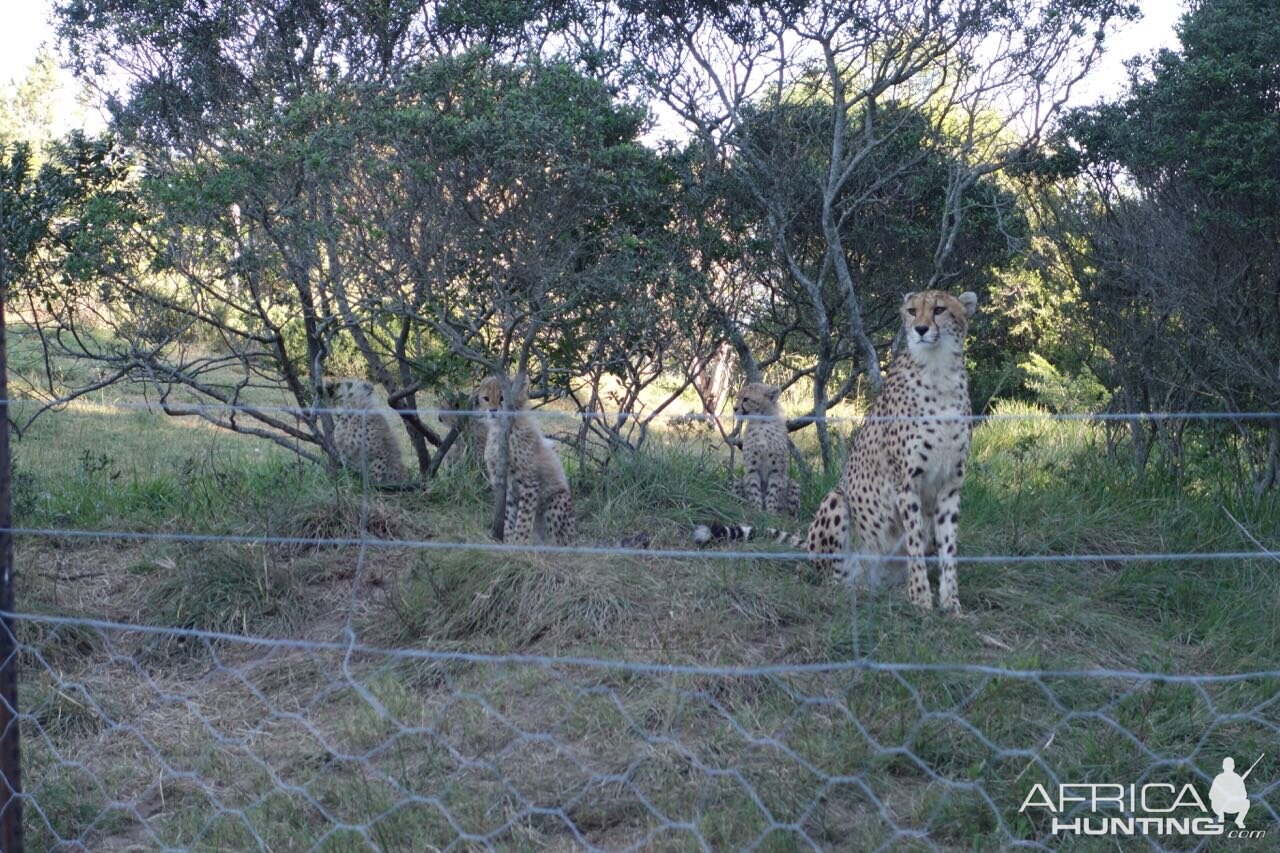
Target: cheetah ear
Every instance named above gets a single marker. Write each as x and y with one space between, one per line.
969 300
772 392
907 297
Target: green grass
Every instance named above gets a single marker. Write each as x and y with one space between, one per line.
215 745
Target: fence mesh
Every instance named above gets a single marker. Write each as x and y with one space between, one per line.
209 662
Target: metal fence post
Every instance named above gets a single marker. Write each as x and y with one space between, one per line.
10 776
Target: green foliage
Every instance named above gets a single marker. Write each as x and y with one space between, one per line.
418 198
900 193
1208 111
549 161
28 114
46 211
1068 393
466 207
1176 255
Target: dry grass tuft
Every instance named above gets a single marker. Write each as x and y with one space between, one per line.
513 601
340 518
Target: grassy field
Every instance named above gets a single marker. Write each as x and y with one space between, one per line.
511 699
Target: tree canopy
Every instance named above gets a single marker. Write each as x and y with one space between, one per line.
422 193
1182 267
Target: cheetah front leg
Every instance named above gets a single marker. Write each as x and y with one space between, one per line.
829 532
909 509
775 495
751 491
522 513
560 521
946 529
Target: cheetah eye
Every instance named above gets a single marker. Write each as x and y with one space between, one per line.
938 310
911 312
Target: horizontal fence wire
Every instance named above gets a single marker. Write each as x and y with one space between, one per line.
160 735
646 667
199 408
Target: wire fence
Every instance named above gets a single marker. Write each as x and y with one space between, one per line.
189 408
373 681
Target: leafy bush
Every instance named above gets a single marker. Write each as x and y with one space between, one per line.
1063 393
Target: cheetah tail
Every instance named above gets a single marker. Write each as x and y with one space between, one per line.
705 534
786 537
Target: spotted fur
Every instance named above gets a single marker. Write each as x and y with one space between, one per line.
765 484
538 505
363 432
899 495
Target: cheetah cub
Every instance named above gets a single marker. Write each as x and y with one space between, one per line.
538 503
765 484
899 495
363 433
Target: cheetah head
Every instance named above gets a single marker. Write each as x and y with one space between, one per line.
348 393
932 317
489 396
756 398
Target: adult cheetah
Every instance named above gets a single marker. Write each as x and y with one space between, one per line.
900 492
764 484
363 433
538 503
